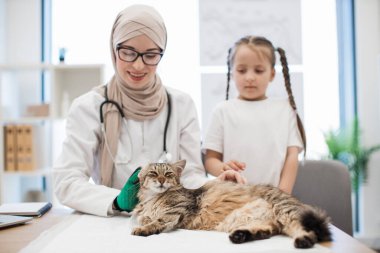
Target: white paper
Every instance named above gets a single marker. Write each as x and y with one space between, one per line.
90 233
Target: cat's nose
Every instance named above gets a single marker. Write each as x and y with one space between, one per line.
161 180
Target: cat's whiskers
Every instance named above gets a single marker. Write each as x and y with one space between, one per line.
161 187
154 187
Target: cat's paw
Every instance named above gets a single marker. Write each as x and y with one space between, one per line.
244 235
240 236
261 234
304 242
141 231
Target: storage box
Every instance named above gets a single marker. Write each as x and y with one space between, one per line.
41 110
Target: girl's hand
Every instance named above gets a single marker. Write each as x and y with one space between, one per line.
232 175
233 165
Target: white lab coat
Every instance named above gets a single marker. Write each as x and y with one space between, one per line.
140 142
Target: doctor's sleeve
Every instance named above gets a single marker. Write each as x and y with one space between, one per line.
77 161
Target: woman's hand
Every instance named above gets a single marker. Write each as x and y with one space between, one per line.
232 175
233 165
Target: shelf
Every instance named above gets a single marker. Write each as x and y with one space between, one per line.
20 88
38 172
24 120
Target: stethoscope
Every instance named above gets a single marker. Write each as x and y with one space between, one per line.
165 157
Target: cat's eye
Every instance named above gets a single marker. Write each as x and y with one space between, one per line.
169 174
152 174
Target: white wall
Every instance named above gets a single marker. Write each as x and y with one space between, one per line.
23 31
368 68
22 44
321 91
2 31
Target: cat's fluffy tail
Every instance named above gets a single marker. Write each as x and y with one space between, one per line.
317 221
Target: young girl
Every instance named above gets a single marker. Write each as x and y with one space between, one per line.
256 135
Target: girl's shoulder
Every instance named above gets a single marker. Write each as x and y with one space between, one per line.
280 103
221 108
235 102
278 100
223 105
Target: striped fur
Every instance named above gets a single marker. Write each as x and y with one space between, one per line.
246 212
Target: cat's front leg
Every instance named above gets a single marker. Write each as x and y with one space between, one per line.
145 220
154 227
157 226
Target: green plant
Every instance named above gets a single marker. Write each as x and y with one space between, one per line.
344 145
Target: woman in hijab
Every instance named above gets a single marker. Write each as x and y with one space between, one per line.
107 141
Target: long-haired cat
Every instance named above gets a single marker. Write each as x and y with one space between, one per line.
246 212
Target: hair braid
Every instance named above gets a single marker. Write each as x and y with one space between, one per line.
228 73
285 72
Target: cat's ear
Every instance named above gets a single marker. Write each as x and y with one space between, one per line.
179 166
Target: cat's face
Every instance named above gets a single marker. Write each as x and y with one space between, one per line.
158 177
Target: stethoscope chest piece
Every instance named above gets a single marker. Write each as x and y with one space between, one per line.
165 157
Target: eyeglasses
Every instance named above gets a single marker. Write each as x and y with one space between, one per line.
130 55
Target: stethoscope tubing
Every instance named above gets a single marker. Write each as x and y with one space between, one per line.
167 121
118 107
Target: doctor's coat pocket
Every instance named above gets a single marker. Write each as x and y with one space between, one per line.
123 155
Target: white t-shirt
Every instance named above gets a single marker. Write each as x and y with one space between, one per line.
255 132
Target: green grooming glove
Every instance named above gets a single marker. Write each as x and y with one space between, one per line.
127 199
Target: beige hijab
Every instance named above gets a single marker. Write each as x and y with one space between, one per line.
141 103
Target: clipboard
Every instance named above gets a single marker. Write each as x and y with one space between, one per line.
35 209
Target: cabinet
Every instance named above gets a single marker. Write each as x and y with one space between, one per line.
38 96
